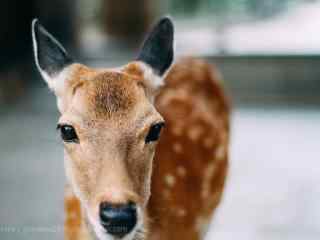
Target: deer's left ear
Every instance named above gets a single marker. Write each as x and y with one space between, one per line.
157 50
50 56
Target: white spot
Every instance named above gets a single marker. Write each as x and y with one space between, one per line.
177 147
220 152
207 179
195 132
170 180
181 212
181 171
177 130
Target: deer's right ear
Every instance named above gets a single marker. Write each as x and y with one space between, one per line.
50 56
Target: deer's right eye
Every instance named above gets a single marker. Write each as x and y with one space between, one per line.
68 133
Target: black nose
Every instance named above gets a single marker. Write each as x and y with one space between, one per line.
118 220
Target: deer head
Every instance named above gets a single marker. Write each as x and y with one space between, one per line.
109 127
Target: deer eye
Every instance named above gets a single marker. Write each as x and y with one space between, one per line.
68 133
154 132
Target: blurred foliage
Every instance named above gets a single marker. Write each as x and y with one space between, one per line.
188 7
226 11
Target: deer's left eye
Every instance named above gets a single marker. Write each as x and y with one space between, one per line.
154 132
68 133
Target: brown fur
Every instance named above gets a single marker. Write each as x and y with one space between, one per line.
191 160
73 218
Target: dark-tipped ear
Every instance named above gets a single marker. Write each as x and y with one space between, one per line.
157 50
50 56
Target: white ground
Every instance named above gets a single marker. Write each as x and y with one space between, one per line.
274 184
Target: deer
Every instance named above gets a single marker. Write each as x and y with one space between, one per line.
145 144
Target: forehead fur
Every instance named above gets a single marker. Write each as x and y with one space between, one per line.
108 92
112 92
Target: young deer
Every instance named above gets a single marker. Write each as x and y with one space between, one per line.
110 123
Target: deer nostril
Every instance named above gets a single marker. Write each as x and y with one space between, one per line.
118 220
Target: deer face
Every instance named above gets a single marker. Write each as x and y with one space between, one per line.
109 127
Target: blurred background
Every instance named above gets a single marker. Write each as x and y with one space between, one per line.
269 55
